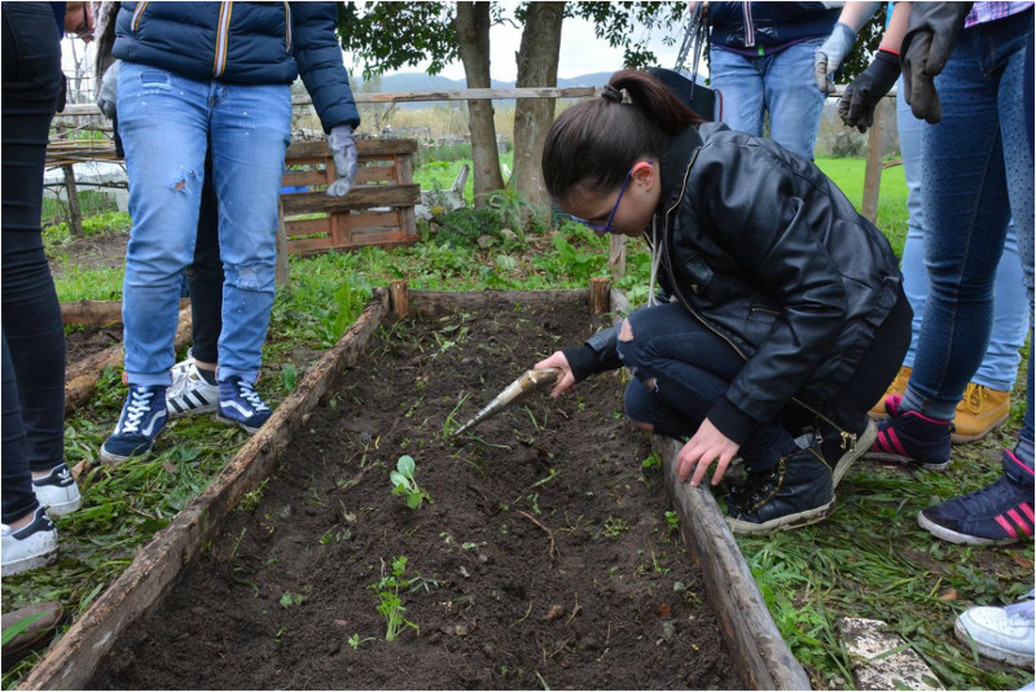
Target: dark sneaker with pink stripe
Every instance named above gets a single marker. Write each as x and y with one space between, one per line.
998 514
908 437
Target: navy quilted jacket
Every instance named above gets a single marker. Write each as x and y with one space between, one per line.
243 43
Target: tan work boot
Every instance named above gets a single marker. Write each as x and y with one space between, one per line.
979 411
897 386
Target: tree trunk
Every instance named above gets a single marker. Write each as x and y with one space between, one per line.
537 67
472 24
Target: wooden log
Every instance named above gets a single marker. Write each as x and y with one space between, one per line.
81 377
71 662
751 636
98 312
600 295
399 298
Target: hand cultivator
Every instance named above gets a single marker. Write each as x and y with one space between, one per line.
531 381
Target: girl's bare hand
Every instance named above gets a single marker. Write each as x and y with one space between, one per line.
707 445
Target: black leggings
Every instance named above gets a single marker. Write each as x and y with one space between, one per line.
205 276
33 334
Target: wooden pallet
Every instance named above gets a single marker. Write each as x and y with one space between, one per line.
379 210
752 638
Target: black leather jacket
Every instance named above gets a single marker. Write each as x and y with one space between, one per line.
769 254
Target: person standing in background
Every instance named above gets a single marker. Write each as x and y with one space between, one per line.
36 478
194 76
761 59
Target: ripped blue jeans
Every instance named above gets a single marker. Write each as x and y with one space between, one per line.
167 122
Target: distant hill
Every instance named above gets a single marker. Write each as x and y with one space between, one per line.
418 81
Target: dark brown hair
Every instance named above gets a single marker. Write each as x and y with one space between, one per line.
594 143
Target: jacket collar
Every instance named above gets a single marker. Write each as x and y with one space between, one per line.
678 153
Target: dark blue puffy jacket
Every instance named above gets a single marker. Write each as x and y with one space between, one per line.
748 24
243 43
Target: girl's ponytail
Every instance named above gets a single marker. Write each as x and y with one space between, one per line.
594 143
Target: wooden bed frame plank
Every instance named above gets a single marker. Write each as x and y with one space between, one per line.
71 662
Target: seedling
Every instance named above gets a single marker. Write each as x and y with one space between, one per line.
356 640
404 484
391 605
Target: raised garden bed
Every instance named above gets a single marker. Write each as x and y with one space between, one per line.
546 558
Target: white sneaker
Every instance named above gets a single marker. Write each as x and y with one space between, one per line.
190 393
57 491
1002 634
29 547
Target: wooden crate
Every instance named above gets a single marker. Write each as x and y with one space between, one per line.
379 210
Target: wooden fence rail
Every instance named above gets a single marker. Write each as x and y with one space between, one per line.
63 152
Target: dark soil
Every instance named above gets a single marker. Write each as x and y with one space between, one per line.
545 561
106 251
87 340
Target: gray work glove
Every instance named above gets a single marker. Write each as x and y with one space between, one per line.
828 58
343 150
930 39
109 91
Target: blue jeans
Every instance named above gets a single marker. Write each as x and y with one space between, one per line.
999 368
977 174
681 369
167 122
781 84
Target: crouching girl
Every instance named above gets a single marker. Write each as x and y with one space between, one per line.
780 317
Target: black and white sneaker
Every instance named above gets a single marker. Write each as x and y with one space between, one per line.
29 547
57 491
190 392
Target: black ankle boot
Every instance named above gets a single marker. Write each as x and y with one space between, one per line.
798 491
841 448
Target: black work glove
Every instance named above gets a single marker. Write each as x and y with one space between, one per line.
857 104
931 36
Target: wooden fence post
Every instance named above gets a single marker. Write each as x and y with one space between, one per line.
872 175
75 216
617 255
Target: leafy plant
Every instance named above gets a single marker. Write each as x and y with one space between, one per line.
391 605
289 599
356 640
404 484
615 526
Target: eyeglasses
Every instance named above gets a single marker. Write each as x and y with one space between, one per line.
607 227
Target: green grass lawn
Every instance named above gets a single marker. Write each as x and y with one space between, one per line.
870 559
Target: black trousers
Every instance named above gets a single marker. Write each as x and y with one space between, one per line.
33 335
205 276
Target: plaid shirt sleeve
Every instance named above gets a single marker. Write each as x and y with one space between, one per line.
984 12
